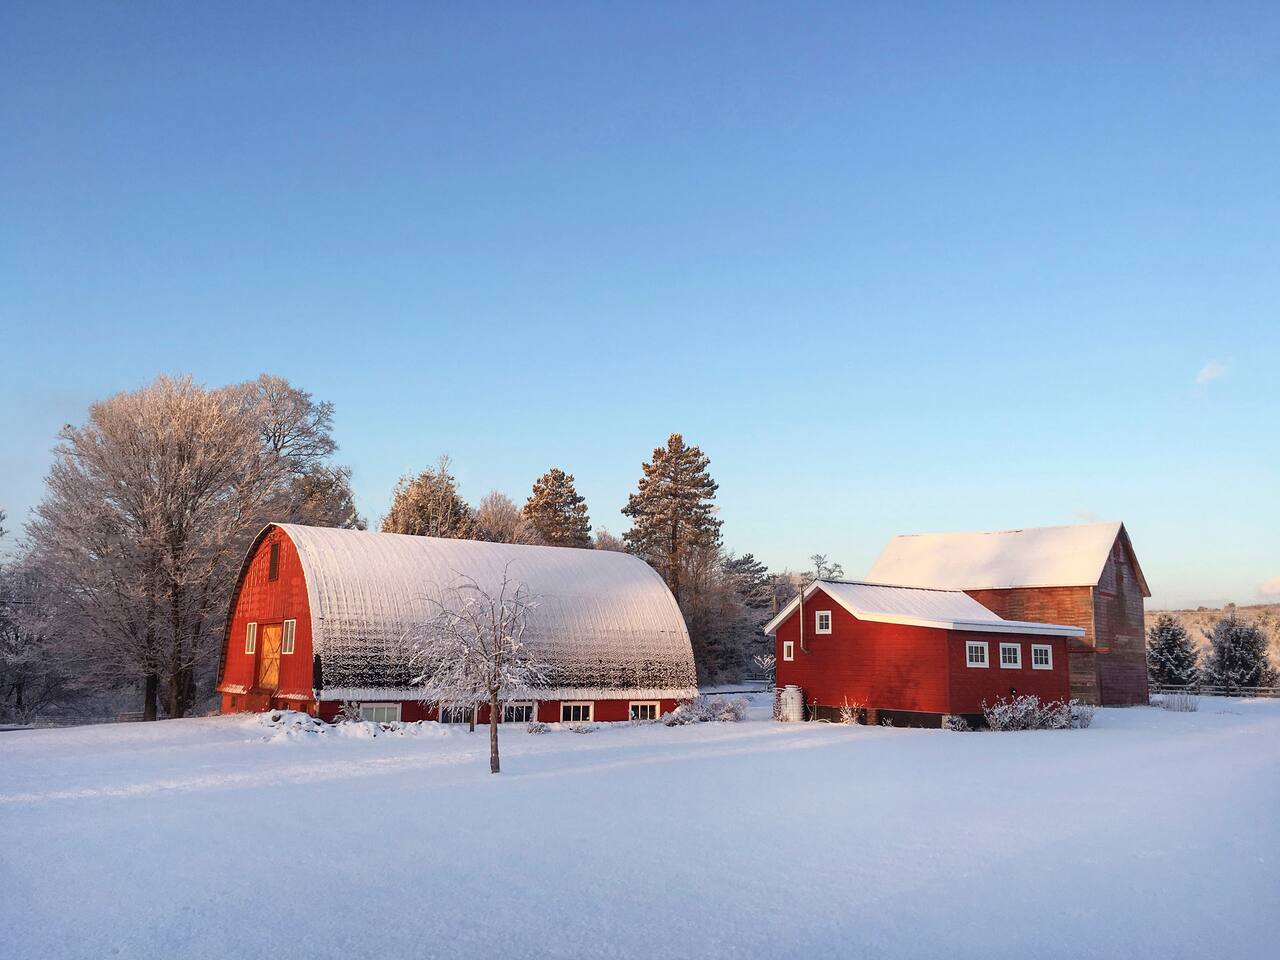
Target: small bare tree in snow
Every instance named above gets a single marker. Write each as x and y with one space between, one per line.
473 650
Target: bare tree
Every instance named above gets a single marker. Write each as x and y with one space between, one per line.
428 505
499 520
473 650
604 540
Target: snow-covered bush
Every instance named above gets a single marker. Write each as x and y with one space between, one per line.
956 723
349 712
537 726
707 710
850 712
1180 702
1029 712
582 728
1081 714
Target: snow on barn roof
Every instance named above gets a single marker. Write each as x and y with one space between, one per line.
913 606
1068 556
605 621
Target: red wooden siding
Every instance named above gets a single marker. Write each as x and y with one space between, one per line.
888 666
264 601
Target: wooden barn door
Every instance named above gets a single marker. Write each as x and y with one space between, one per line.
269 656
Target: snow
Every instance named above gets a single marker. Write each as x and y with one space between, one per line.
604 619
1151 834
1069 556
946 609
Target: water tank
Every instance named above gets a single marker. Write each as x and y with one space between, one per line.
791 704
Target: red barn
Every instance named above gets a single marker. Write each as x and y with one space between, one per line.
319 617
912 655
1086 575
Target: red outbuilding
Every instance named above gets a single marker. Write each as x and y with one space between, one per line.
914 656
321 618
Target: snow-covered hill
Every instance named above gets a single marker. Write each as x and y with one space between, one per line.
1152 834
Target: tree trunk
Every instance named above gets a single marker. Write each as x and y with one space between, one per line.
471 722
150 696
493 733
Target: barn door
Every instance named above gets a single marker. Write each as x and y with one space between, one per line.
269 656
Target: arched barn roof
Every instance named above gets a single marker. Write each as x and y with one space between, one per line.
605 620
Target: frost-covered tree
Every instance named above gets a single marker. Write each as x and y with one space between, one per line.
1171 656
557 512
499 520
824 569
32 677
322 497
604 540
428 505
473 650
750 579
674 527
1237 655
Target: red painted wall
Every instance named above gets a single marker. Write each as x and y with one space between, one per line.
604 711
888 666
266 602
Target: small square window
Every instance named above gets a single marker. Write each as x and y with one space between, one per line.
1010 656
251 638
290 630
273 564
976 654
1041 656
644 709
822 621
788 650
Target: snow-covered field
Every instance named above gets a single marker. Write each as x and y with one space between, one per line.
1152 834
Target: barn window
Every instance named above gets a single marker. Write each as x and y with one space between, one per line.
518 712
455 714
251 638
380 712
1010 656
644 709
579 712
822 621
1041 656
976 653
788 650
290 628
273 564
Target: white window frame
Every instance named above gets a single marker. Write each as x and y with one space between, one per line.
569 704
1017 648
450 713
969 647
380 712
656 704
517 704
1047 648
251 637
288 637
788 649
817 621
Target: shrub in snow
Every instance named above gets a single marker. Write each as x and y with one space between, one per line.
537 726
1180 702
582 728
1081 714
957 723
349 712
850 712
707 710
1029 712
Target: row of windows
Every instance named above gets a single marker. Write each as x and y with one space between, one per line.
976 653
517 712
288 637
1010 655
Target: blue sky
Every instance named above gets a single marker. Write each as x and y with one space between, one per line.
896 268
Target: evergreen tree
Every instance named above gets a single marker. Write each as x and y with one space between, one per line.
557 512
1237 655
1171 657
750 579
672 514
428 505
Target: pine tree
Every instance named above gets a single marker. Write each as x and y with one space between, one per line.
1237 655
428 505
1171 656
672 514
557 512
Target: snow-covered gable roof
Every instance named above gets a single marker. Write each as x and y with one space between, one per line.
1068 556
605 620
942 609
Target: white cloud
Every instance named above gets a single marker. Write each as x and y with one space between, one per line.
1211 371
1270 589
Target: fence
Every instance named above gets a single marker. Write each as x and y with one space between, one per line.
1205 690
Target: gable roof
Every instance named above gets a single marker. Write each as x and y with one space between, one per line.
605 621
919 607
1067 556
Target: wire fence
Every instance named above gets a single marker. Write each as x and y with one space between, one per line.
1206 690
